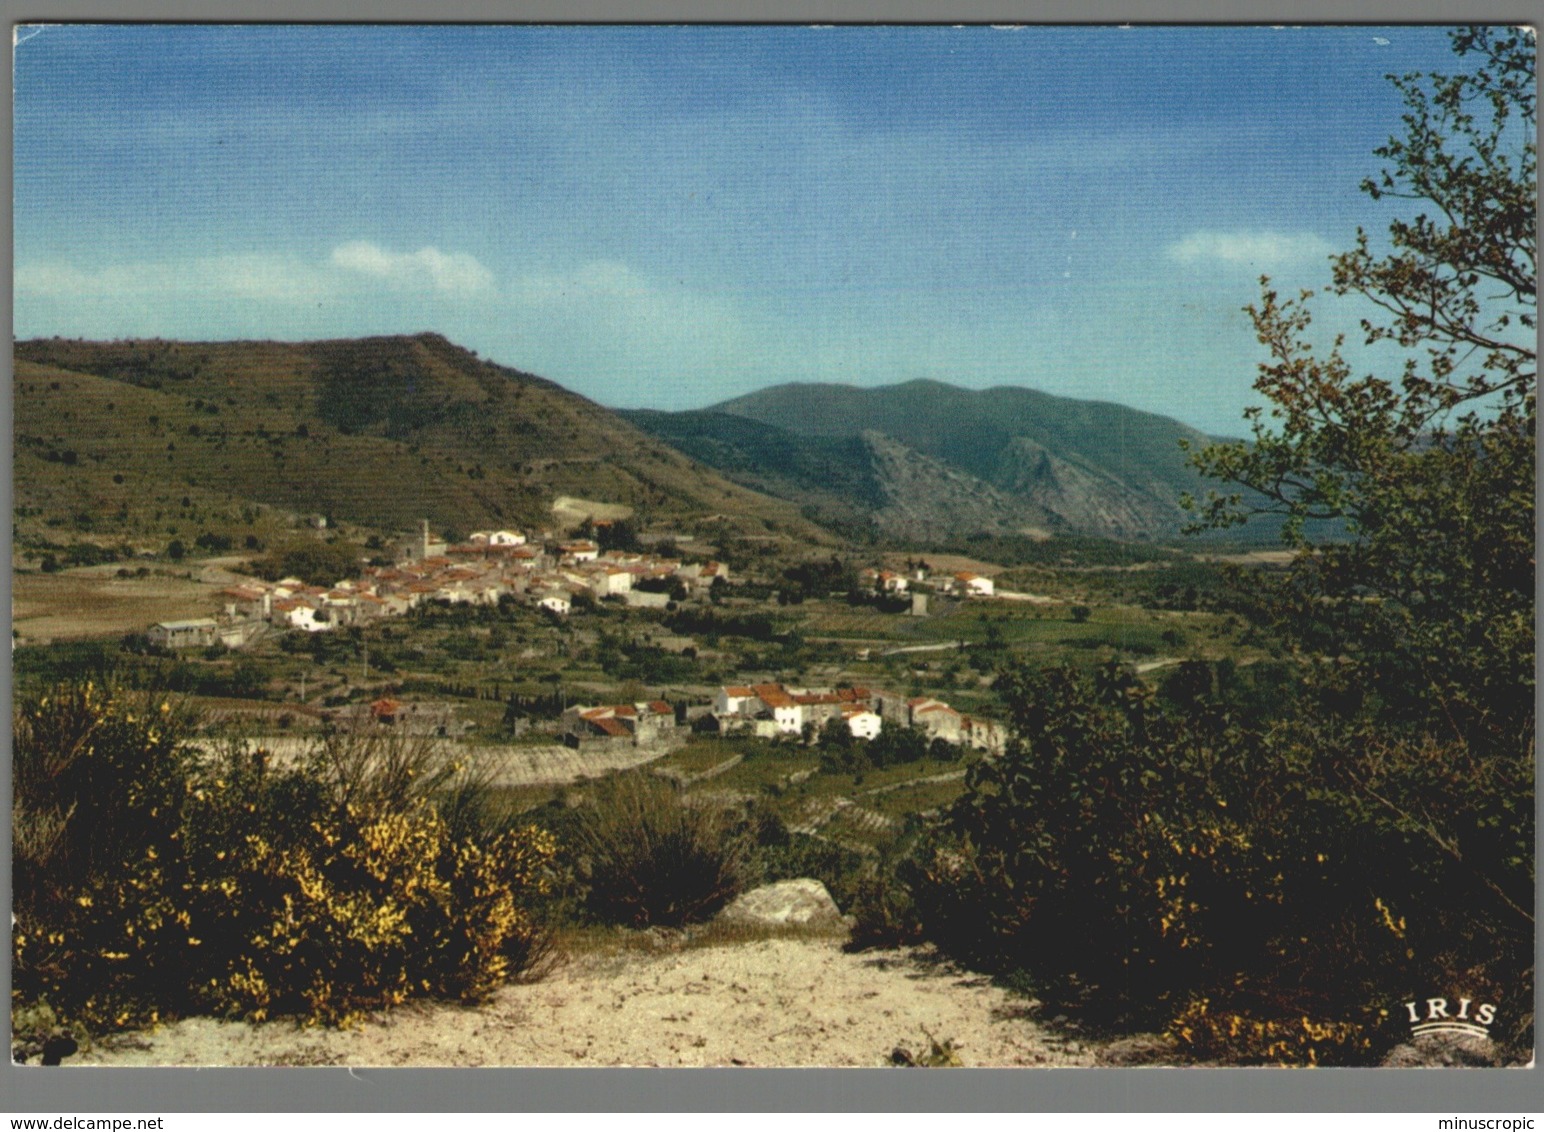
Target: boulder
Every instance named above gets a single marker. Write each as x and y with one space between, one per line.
1444 1051
1141 1049
803 902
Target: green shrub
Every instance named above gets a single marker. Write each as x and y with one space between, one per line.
777 854
155 880
884 911
652 859
1135 857
99 781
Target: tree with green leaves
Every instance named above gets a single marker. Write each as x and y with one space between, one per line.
1262 862
1417 611
1428 476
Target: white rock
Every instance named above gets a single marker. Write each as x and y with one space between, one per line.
1444 1051
802 901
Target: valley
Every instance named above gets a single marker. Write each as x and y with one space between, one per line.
393 546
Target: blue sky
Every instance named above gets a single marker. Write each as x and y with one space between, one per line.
668 217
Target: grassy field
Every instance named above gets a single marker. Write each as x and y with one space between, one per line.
88 602
856 623
768 766
917 797
1126 628
697 756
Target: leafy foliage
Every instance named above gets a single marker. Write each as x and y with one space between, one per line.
314 562
152 879
1131 854
1431 596
1423 617
1264 871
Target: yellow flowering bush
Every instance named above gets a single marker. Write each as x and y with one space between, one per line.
155 880
99 781
1235 1038
365 910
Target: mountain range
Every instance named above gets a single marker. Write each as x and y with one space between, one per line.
925 457
131 437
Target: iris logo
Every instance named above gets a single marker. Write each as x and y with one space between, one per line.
1433 1017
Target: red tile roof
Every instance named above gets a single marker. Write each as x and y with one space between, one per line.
773 695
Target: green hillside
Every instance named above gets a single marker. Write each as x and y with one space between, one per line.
1085 466
833 475
862 482
147 440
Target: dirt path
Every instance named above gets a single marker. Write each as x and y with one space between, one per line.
770 1002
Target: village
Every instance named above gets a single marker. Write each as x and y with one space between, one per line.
562 575
550 574
774 711
488 567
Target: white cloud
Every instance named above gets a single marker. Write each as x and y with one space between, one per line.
1257 250
454 273
258 277
252 277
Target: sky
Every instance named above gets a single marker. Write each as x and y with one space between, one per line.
667 217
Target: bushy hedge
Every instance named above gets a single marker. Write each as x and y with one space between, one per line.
1170 865
153 879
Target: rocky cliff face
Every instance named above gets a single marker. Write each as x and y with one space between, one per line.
958 460
1075 495
924 497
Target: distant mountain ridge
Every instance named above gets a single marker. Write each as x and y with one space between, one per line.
380 431
862 482
926 456
133 438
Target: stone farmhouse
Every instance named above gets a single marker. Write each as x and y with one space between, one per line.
771 710
200 632
940 721
650 724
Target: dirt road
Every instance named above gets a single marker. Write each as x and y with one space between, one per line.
769 1002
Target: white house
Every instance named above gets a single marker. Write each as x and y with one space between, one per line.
974 585
610 580
884 581
299 614
554 603
939 721
862 723
496 538
734 700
